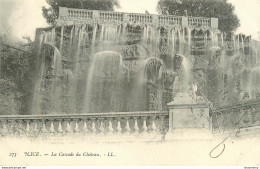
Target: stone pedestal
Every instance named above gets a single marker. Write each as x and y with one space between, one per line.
188 118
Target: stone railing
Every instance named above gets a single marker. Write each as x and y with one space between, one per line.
199 22
69 14
170 20
110 16
79 13
140 18
245 114
103 124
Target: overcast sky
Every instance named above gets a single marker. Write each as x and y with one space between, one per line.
21 17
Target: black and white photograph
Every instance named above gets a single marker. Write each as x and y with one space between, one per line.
129 83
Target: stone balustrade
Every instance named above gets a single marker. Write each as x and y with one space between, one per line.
169 20
106 124
69 14
79 13
140 18
147 126
245 114
199 22
110 16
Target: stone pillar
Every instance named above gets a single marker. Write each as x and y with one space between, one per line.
96 15
125 17
184 21
63 12
214 23
155 19
188 118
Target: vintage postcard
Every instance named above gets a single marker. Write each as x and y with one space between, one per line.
129 83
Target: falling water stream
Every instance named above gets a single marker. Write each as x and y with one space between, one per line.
90 68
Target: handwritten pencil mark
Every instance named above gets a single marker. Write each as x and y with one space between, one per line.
223 141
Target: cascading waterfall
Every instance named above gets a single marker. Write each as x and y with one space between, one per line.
49 39
238 44
101 37
173 42
189 39
55 97
71 38
35 108
104 75
93 43
242 44
155 35
104 64
214 38
108 67
80 33
180 41
222 40
145 34
53 36
61 37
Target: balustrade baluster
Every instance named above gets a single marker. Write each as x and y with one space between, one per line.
144 125
127 128
27 126
153 125
52 130
162 124
101 127
35 126
136 128
110 126
76 128
67 126
118 128
20 127
85 126
59 126
93 126
43 130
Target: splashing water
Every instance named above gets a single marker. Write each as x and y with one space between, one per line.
105 67
103 75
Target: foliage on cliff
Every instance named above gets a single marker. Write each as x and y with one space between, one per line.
51 13
15 75
221 9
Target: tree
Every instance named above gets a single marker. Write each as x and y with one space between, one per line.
220 9
51 13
